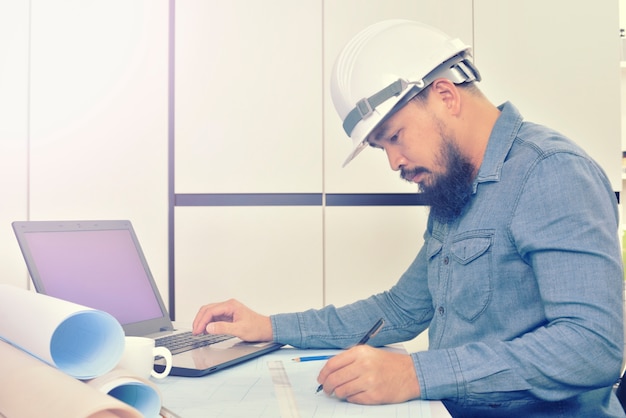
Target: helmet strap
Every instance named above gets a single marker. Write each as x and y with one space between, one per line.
458 69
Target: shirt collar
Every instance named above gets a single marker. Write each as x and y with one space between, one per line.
500 142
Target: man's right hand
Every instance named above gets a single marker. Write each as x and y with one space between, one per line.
233 318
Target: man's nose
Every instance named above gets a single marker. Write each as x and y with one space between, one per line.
396 159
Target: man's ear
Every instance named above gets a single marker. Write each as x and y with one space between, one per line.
447 94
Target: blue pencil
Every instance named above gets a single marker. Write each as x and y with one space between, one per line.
311 358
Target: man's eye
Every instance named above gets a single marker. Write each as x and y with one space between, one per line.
393 139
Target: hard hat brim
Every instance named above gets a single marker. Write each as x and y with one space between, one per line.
365 127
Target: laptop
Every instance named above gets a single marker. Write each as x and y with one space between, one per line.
100 264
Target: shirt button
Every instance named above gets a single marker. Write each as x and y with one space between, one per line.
441 310
446 260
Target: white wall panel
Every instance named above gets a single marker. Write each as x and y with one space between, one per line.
98 118
370 172
267 257
558 63
623 103
248 96
14 16
368 248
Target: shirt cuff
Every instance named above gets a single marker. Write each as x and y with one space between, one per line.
286 329
436 373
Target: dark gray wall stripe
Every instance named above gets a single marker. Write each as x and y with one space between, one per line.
299 199
171 196
375 199
249 199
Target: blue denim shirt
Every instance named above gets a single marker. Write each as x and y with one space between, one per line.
521 295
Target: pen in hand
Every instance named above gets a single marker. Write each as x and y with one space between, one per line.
373 331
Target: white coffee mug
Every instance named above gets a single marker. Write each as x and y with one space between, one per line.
138 357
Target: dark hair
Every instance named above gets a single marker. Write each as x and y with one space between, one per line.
469 86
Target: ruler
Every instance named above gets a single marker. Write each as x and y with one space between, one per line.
284 392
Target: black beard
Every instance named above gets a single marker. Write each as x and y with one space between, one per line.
448 193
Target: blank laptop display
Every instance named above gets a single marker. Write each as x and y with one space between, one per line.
100 264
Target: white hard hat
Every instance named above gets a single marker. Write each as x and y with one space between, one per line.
383 63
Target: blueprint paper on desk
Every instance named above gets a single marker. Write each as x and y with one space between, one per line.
32 388
80 341
247 390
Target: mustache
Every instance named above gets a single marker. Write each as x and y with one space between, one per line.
409 174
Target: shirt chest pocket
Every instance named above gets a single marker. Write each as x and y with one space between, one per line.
470 275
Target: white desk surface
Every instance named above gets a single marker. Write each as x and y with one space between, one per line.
247 390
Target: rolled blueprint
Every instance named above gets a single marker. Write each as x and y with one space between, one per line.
35 389
82 342
133 390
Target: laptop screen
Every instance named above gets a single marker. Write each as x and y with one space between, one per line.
98 269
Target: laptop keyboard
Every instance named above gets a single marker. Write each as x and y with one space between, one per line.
179 343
